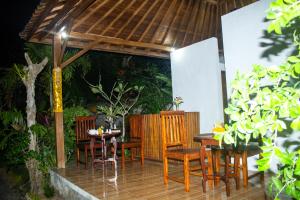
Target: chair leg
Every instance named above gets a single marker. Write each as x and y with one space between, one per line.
132 150
86 156
237 170
123 156
186 174
245 168
203 167
165 160
77 156
142 156
227 171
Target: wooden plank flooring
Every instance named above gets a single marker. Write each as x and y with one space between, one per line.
146 183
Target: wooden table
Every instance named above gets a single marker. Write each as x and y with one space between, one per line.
247 150
112 136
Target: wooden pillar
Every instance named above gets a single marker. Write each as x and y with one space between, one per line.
57 100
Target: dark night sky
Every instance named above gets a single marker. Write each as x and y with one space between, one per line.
14 16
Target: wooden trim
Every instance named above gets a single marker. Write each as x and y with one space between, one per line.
119 41
80 53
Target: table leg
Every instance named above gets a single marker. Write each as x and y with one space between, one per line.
210 167
92 143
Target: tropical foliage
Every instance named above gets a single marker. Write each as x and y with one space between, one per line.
266 102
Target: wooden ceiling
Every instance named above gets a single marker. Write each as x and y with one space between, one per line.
139 27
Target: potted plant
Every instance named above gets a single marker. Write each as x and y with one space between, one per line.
265 102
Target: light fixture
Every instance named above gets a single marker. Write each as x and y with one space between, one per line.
173 49
63 33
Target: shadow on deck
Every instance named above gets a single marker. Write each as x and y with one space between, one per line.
143 183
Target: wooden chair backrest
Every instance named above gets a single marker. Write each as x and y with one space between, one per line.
136 123
83 124
173 129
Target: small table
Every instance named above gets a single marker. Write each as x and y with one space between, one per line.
112 136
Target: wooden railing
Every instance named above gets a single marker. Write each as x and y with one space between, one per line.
152 133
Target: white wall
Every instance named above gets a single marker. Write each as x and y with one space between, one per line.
243 32
242 37
196 77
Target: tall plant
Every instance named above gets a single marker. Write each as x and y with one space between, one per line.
120 101
266 101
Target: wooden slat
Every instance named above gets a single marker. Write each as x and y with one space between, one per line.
152 133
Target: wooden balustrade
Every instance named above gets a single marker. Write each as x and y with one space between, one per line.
152 133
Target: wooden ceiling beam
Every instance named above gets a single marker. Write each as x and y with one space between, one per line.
153 20
80 53
182 22
115 49
163 21
130 19
55 21
108 12
111 24
142 19
85 17
48 7
189 26
76 12
196 25
172 22
118 41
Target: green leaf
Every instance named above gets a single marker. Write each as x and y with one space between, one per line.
297 68
293 59
296 124
278 184
284 159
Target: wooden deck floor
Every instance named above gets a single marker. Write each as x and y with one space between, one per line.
146 183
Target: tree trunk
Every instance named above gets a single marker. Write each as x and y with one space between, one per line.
31 71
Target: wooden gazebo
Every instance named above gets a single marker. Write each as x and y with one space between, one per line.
139 27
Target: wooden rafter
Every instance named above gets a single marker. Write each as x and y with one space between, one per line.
104 31
182 22
142 19
105 15
130 19
80 53
196 25
118 41
85 17
170 8
178 10
163 2
62 12
189 26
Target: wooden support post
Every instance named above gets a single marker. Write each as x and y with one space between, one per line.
57 99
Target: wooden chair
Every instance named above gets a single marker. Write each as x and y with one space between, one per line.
136 138
174 145
83 124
